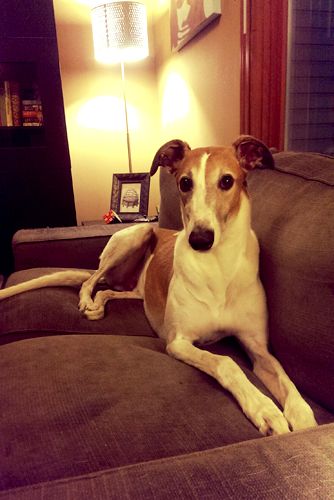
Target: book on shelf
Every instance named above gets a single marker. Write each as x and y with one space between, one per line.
3 118
19 106
15 101
8 105
32 114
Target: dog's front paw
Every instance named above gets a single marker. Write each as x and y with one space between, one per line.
92 309
94 312
95 309
85 304
269 419
299 414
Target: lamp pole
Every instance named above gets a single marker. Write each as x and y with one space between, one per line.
126 117
120 35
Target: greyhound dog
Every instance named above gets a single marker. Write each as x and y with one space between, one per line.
202 283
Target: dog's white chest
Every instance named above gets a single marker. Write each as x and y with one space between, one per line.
198 298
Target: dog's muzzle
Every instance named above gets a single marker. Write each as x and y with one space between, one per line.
201 239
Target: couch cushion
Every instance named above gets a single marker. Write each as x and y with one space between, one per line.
293 214
56 310
170 213
75 404
309 166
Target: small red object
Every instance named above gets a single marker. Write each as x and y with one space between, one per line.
111 216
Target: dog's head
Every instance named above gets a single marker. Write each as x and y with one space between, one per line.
211 183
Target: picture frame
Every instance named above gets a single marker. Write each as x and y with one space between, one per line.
130 195
190 17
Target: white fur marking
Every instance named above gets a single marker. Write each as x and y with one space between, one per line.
199 206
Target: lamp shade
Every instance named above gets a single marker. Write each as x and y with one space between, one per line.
120 31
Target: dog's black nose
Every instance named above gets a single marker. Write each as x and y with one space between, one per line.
201 239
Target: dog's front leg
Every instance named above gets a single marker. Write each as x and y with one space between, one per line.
86 302
260 409
103 296
268 369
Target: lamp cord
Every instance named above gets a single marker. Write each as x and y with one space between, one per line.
126 118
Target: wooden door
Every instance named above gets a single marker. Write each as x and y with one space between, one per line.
263 69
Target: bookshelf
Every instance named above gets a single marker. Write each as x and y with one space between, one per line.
35 170
21 110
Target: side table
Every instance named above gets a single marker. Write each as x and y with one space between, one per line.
92 222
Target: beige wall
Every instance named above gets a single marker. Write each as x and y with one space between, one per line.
192 94
199 87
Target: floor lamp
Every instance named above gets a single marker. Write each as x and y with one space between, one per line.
120 36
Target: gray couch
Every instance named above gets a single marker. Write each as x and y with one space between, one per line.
97 410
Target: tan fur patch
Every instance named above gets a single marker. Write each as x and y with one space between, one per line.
161 266
219 161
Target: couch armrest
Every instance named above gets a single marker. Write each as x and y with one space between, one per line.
78 246
299 465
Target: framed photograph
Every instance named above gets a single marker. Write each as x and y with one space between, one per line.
189 17
129 195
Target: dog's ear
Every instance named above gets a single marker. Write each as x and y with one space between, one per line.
169 155
251 152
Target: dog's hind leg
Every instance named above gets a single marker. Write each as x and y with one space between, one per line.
260 409
121 257
268 369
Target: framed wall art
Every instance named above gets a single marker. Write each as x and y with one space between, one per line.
130 195
189 17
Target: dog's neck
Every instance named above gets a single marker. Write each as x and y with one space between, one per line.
235 235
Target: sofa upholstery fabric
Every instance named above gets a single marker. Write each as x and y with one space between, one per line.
235 472
292 215
56 310
84 403
63 246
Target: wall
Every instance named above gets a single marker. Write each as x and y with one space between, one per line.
199 87
192 94
95 114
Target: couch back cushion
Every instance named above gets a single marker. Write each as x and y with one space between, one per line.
170 212
293 217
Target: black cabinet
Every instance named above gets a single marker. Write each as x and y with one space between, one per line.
35 171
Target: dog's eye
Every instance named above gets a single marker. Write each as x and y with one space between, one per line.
186 184
226 182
